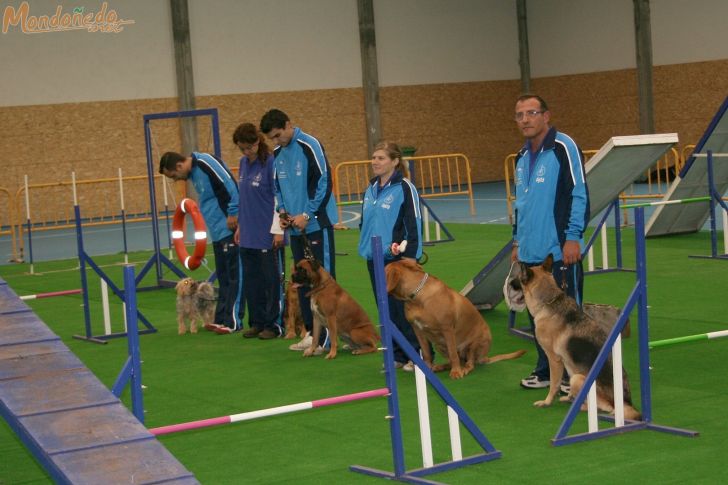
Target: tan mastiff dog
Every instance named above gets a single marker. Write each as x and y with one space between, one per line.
336 310
444 317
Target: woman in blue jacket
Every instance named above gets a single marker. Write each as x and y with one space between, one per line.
259 234
391 210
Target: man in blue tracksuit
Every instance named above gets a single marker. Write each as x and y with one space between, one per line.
305 202
217 197
552 208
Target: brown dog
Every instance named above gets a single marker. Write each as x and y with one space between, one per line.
444 317
569 337
336 310
292 318
196 300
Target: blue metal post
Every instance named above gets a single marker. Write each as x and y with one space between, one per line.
395 426
642 319
82 269
123 232
152 199
713 195
30 242
137 399
618 232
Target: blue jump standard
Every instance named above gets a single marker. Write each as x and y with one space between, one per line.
74 426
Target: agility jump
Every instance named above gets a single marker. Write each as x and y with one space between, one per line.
638 298
456 415
263 413
83 260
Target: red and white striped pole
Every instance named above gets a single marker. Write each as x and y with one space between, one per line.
51 294
262 413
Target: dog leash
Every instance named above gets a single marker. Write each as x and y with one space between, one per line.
413 295
307 251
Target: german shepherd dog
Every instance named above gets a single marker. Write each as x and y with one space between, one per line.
569 337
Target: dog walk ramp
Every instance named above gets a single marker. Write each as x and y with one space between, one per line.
608 173
74 426
693 182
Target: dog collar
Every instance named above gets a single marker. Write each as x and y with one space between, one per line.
412 295
319 287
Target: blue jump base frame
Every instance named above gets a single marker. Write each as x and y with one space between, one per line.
83 260
715 199
390 333
638 297
73 425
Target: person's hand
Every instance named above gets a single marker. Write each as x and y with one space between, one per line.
277 241
284 219
300 222
571 252
236 236
232 222
514 254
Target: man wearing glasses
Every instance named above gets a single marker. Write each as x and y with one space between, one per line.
552 209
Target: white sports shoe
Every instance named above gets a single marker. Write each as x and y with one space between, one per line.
303 344
319 350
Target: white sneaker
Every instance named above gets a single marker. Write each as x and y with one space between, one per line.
303 344
319 350
409 366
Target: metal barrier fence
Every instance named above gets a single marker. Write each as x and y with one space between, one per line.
433 175
7 222
49 206
657 178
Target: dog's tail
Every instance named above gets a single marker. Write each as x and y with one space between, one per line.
496 358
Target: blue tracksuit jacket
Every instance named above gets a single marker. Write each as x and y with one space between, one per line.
552 199
217 193
393 213
303 181
257 203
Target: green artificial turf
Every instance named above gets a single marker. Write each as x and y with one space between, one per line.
206 375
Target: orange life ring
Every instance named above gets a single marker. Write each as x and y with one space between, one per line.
188 206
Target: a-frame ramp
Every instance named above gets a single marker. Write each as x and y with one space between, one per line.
608 173
693 182
73 425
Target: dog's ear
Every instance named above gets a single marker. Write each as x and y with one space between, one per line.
392 273
548 263
412 264
315 265
526 273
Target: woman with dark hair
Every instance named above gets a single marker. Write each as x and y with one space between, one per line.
258 235
391 210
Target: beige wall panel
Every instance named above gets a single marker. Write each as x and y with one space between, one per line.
335 117
449 118
475 118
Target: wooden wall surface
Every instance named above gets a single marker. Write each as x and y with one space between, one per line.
94 139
